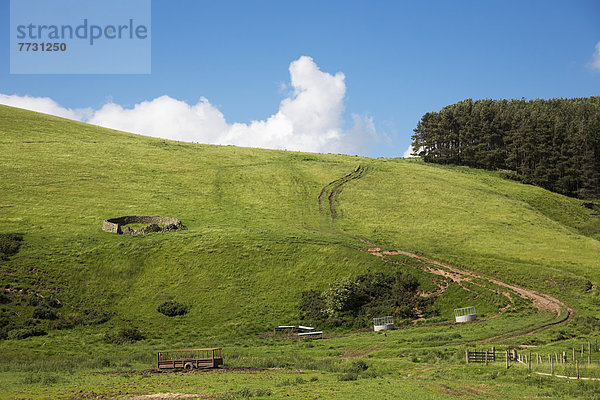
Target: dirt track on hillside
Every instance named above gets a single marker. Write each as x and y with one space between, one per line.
541 301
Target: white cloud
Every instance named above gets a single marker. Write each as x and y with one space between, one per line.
408 152
166 118
45 105
308 119
595 63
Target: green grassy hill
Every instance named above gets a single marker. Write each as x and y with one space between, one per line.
256 234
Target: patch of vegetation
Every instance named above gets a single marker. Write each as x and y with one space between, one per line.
256 240
25 332
173 308
4 298
124 336
9 244
44 312
591 228
354 302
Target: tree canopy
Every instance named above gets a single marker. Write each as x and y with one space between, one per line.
553 143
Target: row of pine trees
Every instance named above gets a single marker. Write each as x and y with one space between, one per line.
551 143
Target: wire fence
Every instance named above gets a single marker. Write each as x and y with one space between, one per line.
581 362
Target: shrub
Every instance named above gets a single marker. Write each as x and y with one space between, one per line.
6 324
358 366
34 300
354 302
61 324
4 299
311 307
95 317
124 335
348 376
44 312
173 308
9 244
52 302
27 332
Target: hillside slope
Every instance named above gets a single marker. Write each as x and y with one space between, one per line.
256 236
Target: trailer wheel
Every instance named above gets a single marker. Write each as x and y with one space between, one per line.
188 366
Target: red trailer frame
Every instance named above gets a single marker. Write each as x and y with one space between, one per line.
189 359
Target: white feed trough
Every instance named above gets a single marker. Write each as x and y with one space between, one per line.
465 314
383 323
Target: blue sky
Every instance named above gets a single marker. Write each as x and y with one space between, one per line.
399 59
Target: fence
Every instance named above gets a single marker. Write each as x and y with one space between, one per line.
491 355
581 362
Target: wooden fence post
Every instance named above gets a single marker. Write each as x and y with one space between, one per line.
529 362
467 355
577 366
551 366
486 357
506 358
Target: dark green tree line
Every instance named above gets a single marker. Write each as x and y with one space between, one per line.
553 143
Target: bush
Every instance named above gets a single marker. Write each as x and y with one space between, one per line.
34 300
27 332
61 324
6 324
4 299
173 308
9 244
354 302
44 312
348 376
95 317
124 335
358 366
52 302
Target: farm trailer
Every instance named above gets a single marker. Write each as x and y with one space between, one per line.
189 359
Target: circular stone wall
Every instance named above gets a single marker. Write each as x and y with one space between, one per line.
155 224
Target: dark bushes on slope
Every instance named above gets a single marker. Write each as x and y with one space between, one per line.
354 302
9 244
124 335
173 308
44 312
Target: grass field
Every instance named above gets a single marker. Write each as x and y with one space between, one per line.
255 238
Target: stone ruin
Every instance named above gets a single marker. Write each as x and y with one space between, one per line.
154 224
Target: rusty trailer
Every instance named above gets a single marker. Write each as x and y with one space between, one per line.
189 359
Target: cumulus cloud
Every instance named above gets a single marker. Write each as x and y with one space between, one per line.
595 63
409 152
166 118
45 105
308 119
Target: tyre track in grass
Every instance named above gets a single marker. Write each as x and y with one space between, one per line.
335 188
543 302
